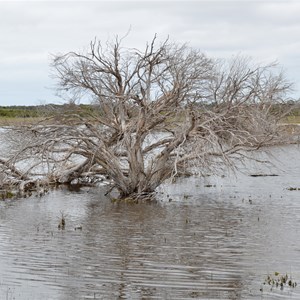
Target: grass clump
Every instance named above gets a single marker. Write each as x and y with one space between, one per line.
277 280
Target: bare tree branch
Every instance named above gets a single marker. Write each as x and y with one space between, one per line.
155 114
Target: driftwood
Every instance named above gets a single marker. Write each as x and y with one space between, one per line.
69 174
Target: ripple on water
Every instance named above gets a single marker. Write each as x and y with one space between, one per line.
212 244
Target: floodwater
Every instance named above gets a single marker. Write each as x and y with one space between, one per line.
206 238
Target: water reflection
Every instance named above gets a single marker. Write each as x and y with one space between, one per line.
207 243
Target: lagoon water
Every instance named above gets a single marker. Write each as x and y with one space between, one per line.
205 238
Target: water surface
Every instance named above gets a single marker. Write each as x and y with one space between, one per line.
206 238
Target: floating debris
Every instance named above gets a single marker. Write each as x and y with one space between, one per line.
78 227
263 175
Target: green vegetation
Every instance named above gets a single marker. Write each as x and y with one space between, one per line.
18 111
279 281
18 114
293 189
62 222
13 115
292 119
27 114
294 116
6 194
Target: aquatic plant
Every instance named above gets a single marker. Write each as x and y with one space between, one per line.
293 189
279 281
62 222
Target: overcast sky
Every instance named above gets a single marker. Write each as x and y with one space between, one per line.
31 31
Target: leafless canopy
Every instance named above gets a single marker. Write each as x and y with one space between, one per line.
154 114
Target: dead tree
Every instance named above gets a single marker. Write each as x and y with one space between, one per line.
154 114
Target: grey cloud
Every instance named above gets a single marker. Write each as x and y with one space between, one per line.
30 31
286 12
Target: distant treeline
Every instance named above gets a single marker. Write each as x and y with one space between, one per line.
83 109
17 111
